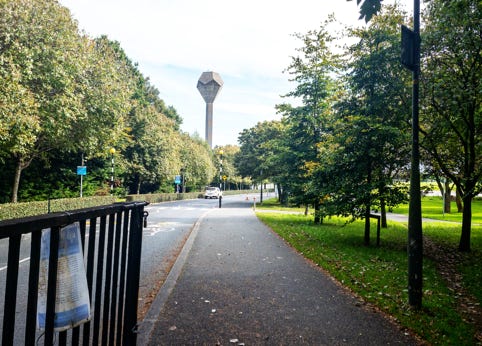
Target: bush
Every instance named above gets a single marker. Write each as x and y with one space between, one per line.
18 210
166 197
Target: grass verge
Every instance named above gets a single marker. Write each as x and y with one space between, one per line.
432 208
379 275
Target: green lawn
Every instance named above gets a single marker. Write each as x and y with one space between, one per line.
432 208
379 275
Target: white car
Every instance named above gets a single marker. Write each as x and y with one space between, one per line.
212 192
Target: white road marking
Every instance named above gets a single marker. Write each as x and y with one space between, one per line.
19 262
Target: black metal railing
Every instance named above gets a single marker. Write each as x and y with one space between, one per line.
111 238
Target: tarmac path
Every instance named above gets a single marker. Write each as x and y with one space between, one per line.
237 283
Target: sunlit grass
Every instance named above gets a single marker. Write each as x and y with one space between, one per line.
379 274
432 208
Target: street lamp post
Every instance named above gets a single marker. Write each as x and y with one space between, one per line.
112 152
81 176
221 152
411 60
415 240
261 196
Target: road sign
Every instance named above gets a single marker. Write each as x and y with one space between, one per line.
225 177
81 170
408 43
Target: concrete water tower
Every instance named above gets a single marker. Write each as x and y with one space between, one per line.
209 85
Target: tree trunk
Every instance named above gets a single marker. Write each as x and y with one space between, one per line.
464 244
138 186
383 212
458 201
447 197
367 225
16 180
317 212
261 195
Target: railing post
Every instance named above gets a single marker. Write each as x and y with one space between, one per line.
52 285
33 280
133 274
98 282
11 290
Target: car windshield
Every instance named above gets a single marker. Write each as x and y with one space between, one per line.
210 189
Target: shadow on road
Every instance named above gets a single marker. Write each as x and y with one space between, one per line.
237 204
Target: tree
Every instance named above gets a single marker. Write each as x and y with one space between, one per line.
153 153
451 123
228 165
380 87
36 37
313 72
19 123
368 8
73 92
197 162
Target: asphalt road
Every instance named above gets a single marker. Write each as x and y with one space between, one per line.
238 283
169 225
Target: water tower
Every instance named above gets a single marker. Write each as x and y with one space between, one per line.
209 85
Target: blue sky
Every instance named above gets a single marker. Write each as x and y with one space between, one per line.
248 43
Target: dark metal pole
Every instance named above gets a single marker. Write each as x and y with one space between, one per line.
112 173
415 242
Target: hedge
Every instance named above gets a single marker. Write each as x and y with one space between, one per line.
18 210
166 197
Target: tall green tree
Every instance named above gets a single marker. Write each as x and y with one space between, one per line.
70 87
451 118
257 149
152 155
39 54
365 146
313 71
197 163
383 87
228 168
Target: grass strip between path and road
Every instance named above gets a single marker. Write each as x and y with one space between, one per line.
379 274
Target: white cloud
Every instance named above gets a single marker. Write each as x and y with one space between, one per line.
248 43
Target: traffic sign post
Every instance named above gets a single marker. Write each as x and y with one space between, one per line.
81 170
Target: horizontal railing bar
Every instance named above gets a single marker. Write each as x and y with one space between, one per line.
30 224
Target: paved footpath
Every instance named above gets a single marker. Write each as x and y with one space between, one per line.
238 283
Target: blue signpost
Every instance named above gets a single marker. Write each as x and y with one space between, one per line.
81 170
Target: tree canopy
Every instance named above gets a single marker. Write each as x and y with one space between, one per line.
345 147
67 99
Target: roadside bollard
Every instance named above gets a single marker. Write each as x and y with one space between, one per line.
220 201
254 203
